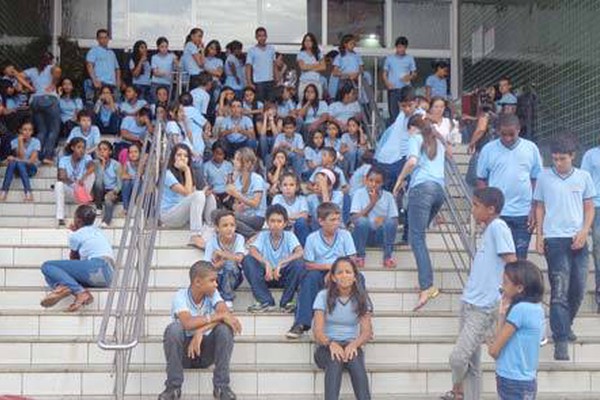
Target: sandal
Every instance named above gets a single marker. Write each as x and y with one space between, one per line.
59 293
82 299
452 395
197 242
425 296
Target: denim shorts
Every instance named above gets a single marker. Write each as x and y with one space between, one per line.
510 389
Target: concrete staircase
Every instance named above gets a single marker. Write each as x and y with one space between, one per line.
52 354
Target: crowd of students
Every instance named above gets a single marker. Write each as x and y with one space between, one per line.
282 187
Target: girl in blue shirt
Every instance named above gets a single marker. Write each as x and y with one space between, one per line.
132 103
108 182
163 65
129 173
107 113
352 146
312 153
292 199
235 76
313 112
342 326
268 129
25 149
140 69
252 107
280 164
347 65
69 105
516 347
311 63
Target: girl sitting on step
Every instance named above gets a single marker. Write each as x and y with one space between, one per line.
24 159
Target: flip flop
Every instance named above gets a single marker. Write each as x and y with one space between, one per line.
197 246
55 296
432 293
78 304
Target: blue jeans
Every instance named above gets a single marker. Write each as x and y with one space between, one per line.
365 233
393 104
25 171
351 161
110 128
568 270
290 279
334 370
311 284
232 147
296 161
126 192
144 92
302 230
510 389
425 200
520 233
46 118
228 280
264 91
265 146
596 251
391 172
77 274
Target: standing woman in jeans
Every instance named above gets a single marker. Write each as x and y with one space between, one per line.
342 325
425 164
44 103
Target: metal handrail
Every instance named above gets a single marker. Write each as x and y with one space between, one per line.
124 311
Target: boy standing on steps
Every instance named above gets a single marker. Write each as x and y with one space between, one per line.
481 295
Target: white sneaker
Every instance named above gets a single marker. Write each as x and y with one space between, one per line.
229 305
104 225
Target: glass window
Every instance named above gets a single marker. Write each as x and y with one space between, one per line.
226 21
284 20
363 18
314 16
426 24
149 19
81 19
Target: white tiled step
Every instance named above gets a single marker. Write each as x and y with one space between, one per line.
346 396
284 380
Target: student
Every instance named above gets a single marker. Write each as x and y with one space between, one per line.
261 72
192 59
328 160
163 65
512 164
75 169
248 192
213 64
375 217
140 69
91 263
274 261
333 138
446 127
565 211
346 107
134 130
85 130
24 159
70 106
196 130
294 202
359 177
216 173
342 326
160 99
132 103
129 172
235 76
311 63
107 186
352 145
399 69
313 112
436 84
321 250
520 327
286 106
252 107
106 112
201 93
480 299
326 189
591 164
268 129
226 250
292 142
181 202
347 66
102 65
280 164
312 153
425 161
200 334
237 130
507 104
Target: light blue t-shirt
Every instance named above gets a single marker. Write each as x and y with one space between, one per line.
143 79
313 200
130 109
397 67
183 302
342 324
90 242
591 164
41 81
131 169
244 123
511 170
69 107
31 146
298 206
309 59
357 180
130 125
187 59
318 251
348 63
75 171
257 184
563 199
343 112
170 198
201 99
215 175
482 289
105 64
426 170
111 174
214 244
285 108
520 356
195 122
261 59
92 137
335 143
313 114
336 169
275 252
295 142
393 145
350 141
385 207
313 155
165 64
239 72
439 86
213 64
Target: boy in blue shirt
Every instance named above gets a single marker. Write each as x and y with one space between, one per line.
507 104
102 65
292 142
217 173
237 130
565 211
322 248
591 164
512 164
481 295
375 216
107 186
261 71
275 261
399 70
90 133
201 93
134 130
200 334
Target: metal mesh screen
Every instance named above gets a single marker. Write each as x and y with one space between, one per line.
552 45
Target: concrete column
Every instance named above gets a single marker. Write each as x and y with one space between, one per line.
455 51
